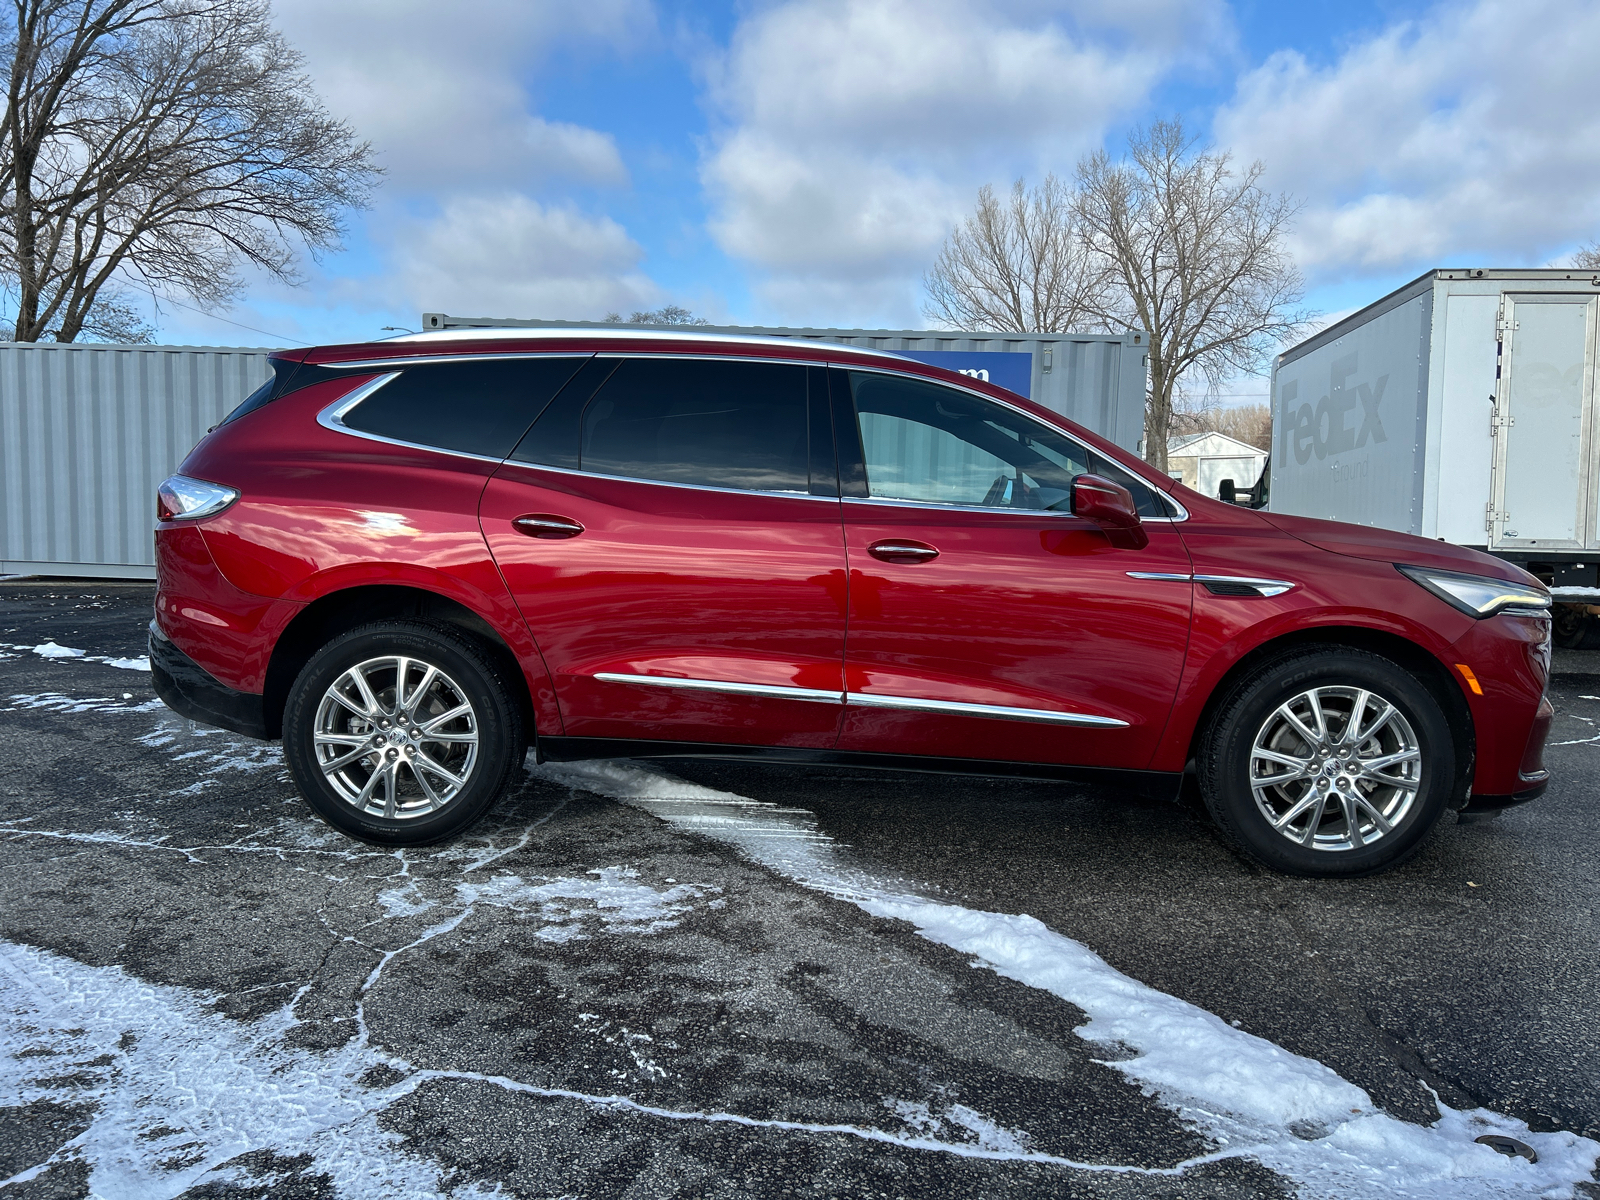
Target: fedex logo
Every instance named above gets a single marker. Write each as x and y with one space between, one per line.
1327 428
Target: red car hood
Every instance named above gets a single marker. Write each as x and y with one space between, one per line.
1385 545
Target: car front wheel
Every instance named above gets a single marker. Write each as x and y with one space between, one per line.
1329 762
401 733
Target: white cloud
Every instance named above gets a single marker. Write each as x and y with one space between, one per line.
1472 131
441 92
447 95
856 132
508 255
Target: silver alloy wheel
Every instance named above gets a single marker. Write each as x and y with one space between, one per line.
396 737
1335 768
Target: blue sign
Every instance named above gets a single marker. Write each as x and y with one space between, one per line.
1014 372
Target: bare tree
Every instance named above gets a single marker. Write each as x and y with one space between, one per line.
1018 266
667 314
158 145
1197 250
1588 257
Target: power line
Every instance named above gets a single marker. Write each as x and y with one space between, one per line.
226 321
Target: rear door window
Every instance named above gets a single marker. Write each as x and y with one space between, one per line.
480 407
931 444
701 422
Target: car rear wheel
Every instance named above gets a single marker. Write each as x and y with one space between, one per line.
1329 762
401 733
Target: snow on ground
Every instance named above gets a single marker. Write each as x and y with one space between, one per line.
1251 1097
622 905
51 650
180 1089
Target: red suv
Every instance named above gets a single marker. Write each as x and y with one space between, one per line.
413 559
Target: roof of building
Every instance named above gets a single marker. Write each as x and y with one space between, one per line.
1210 443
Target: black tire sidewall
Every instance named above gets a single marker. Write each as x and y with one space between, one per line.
1225 764
500 740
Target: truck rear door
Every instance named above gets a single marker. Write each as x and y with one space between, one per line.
1544 496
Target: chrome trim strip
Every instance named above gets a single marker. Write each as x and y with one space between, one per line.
936 506
332 417
696 487
1267 587
907 703
717 685
1183 513
999 711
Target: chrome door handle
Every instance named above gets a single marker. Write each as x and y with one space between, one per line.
894 551
544 525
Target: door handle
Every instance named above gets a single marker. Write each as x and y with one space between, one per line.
898 550
545 525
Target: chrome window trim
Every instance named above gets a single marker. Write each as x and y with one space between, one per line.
866 700
771 691
1183 513
1265 587
1002 712
332 417
935 506
694 487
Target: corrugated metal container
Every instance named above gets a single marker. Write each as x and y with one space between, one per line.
1459 407
1097 380
86 434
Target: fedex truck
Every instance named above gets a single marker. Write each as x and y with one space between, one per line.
1459 407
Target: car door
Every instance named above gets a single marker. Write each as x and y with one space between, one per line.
986 621
670 528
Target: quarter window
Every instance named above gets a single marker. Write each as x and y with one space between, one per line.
934 445
702 422
480 407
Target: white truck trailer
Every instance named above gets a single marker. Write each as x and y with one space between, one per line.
1460 407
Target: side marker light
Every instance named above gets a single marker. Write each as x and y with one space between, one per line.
1472 680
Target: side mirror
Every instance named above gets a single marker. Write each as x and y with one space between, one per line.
1227 493
1110 506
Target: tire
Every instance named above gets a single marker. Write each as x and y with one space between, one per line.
1252 743
1574 629
443 782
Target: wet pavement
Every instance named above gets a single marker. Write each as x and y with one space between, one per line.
702 979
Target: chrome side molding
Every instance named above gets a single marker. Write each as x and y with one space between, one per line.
1000 712
1224 585
771 691
868 700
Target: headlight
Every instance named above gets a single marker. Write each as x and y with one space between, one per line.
180 498
1477 595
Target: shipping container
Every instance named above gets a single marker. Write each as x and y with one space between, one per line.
1097 380
87 432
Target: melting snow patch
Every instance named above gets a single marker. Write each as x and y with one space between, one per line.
404 901
51 650
142 663
177 1089
1249 1096
60 703
622 905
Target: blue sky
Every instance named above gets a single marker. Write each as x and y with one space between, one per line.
800 161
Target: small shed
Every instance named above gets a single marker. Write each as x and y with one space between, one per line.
1203 460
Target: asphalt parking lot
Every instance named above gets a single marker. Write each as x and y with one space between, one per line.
701 979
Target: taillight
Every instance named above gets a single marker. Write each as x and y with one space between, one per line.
180 498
